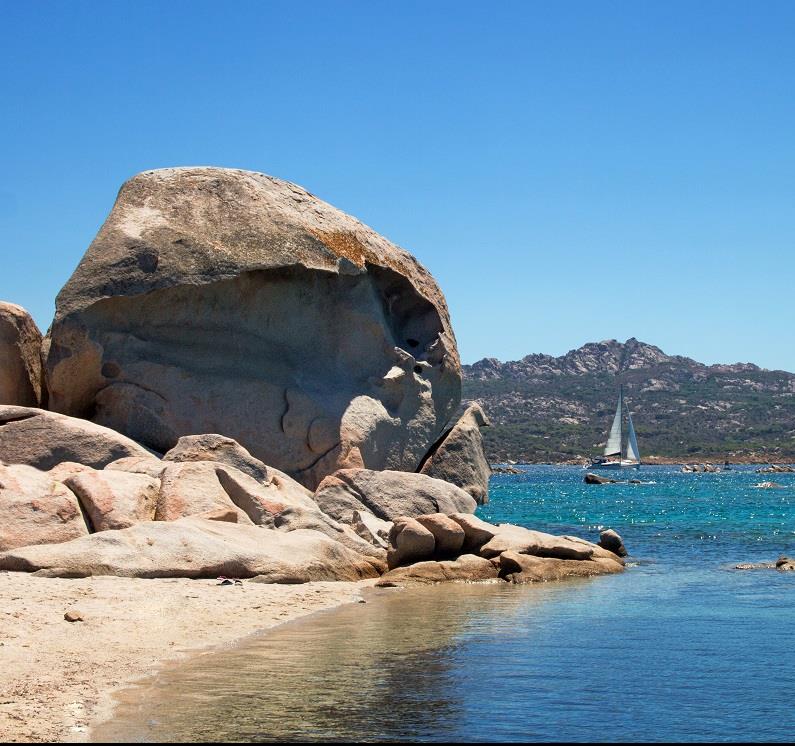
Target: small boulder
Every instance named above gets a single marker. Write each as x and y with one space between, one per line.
409 542
467 568
20 357
476 531
458 457
43 439
36 509
389 495
218 448
596 479
610 540
449 536
115 500
73 615
192 488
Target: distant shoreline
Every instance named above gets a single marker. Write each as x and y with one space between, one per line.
663 461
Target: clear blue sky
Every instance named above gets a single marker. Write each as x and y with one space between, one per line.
569 171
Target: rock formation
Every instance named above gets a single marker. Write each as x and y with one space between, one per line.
224 301
20 357
459 458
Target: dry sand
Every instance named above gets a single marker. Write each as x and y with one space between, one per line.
57 677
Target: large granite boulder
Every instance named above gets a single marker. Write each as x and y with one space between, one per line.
458 457
196 548
389 495
35 509
44 439
20 357
225 301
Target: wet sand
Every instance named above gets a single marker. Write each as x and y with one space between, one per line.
57 677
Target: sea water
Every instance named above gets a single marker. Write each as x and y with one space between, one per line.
680 647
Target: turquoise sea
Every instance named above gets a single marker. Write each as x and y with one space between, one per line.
680 647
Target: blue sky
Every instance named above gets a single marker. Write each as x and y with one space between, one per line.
569 171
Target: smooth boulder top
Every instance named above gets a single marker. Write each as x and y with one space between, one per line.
44 439
226 301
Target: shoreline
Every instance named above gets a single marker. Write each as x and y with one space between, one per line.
59 679
662 461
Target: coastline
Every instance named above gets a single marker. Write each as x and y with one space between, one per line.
58 678
667 461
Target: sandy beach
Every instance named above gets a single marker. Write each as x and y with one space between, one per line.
57 677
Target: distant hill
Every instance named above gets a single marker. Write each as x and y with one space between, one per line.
546 408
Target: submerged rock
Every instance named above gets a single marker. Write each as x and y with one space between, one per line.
20 357
219 300
459 457
43 439
196 548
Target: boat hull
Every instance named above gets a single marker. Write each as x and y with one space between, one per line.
614 465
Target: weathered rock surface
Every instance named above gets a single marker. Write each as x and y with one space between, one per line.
409 542
537 543
459 457
525 568
448 535
196 548
293 519
43 439
20 357
476 531
35 509
192 488
467 568
389 495
218 300
371 529
612 541
149 465
218 448
115 499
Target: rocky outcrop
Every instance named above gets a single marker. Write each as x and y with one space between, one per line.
596 479
776 469
114 499
524 568
218 300
389 495
43 439
466 568
20 357
35 509
459 458
536 543
196 548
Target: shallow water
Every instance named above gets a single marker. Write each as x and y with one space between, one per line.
679 647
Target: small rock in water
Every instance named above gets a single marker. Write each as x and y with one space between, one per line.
596 479
785 564
73 616
610 540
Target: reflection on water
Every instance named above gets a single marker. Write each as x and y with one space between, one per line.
677 648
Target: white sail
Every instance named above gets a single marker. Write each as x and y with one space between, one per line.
613 447
632 443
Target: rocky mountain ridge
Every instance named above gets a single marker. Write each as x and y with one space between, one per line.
546 408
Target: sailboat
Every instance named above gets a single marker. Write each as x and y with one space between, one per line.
612 456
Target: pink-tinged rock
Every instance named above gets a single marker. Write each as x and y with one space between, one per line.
115 500
477 532
35 509
526 541
192 488
524 568
448 534
467 568
409 542
149 465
